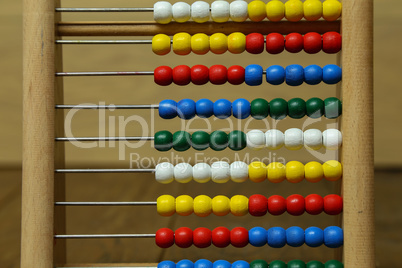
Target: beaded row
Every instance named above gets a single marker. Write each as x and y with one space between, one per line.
222 172
292 139
257 205
275 237
202 263
236 43
239 11
259 109
252 75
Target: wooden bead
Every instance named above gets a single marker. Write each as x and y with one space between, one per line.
331 10
161 44
163 75
163 141
200 140
296 108
313 171
333 204
314 237
220 205
222 264
181 141
200 44
204 107
202 205
333 108
239 237
255 139
164 173
240 264
183 173
294 10
218 43
275 10
312 42
277 264
332 139
276 205
222 108
166 205
254 43
220 11
166 264
182 44
257 10
183 237
274 139
181 75
312 139
184 205
276 172
331 74
293 139
276 237
294 75
332 170
314 204
236 43
259 109
258 264
333 264
220 171
185 264
163 13
202 237
331 42
202 172
333 237
236 75
275 43
238 11
181 12
257 172
278 109
241 108
237 140
257 205
200 11
164 238
294 42
296 264
218 140
315 264
295 236
312 10
221 237
257 236
253 75
295 205
294 171
313 74
239 205
218 74
186 109
238 171
315 108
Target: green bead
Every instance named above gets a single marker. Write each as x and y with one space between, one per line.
296 264
258 264
237 140
333 264
218 140
200 140
278 109
333 108
296 108
315 264
277 264
315 108
181 141
163 140
259 109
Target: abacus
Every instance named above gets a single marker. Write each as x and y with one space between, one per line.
221 27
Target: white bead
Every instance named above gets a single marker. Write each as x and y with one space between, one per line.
255 139
274 139
164 173
294 139
220 11
239 11
200 11
238 171
332 139
202 172
220 172
181 12
313 139
183 173
163 12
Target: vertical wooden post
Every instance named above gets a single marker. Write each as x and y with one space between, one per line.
357 128
38 134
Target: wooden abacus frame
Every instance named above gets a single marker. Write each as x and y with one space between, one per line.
42 90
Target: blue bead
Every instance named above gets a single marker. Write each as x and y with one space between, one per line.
295 236
333 236
257 236
276 237
240 264
202 263
253 75
186 109
275 75
294 75
222 109
314 237
222 264
166 264
185 264
241 108
204 108
331 74
168 109
313 74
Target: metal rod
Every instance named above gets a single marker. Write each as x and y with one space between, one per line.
102 73
105 139
150 203
105 9
110 107
89 170
89 42
104 236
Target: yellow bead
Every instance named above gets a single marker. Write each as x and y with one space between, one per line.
312 10
257 172
182 44
276 172
239 205
294 10
200 44
294 171
161 44
332 170
166 205
331 10
218 43
220 205
236 43
313 171
275 10
184 205
257 10
202 205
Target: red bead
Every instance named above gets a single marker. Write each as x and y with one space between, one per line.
276 205
221 237
255 43
312 43
199 74
314 204
294 42
333 204
257 205
164 238
295 204
202 237
236 75
275 43
331 42
218 74
183 237
182 75
163 75
239 237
